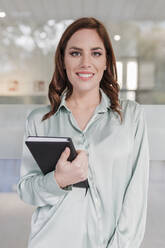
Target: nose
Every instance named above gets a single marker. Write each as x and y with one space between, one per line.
85 61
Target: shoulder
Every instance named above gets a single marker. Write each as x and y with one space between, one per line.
36 114
34 124
131 109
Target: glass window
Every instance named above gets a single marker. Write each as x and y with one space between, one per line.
132 73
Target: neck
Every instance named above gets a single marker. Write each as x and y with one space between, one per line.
85 100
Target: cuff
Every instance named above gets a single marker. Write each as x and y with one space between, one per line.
52 186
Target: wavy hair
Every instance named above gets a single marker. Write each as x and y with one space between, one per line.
60 81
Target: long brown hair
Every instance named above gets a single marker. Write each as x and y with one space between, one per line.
60 80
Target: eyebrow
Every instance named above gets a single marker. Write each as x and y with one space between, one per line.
80 49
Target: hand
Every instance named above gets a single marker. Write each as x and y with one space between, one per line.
67 172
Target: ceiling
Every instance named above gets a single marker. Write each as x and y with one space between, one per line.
38 12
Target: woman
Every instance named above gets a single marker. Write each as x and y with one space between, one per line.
111 140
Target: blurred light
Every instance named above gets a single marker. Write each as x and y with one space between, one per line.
68 22
119 65
51 22
117 37
26 42
43 35
26 30
2 14
132 69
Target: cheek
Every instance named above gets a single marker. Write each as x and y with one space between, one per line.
69 71
70 65
101 68
101 65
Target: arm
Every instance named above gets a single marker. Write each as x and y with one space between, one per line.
35 188
130 228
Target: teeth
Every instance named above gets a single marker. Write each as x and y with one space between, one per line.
85 75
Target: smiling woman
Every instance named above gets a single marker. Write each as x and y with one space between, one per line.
86 44
110 137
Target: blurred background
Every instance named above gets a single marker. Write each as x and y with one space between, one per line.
30 31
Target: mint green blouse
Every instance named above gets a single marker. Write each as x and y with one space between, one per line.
113 212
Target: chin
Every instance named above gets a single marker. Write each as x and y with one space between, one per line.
86 89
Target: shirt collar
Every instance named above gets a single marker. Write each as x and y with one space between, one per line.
101 108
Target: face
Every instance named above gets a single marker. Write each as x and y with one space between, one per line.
85 60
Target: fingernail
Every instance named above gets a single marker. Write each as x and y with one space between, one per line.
66 149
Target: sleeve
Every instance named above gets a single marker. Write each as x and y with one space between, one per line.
130 228
34 187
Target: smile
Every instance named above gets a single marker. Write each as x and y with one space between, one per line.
85 76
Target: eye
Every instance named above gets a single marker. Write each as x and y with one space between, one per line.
74 54
97 54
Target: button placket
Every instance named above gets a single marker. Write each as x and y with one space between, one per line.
79 141
95 196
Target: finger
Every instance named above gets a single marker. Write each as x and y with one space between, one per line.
65 154
81 154
79 160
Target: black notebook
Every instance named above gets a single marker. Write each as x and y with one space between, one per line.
47 150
